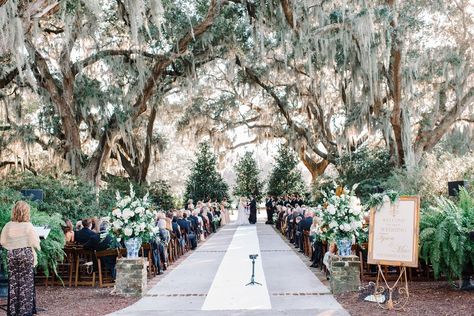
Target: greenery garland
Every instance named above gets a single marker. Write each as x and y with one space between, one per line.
376 200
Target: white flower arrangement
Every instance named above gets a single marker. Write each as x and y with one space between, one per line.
342 215
132 217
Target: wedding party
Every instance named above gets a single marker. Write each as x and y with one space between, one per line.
236 157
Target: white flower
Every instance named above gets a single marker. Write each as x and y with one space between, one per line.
117 224
332 224
331 209
341 227
128 232
347 227
117 213
140 210
354 225
135 204
127 213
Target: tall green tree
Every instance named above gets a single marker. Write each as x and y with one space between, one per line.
248 177
205 182
285 177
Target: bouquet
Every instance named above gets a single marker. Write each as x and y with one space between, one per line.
132 217
342 216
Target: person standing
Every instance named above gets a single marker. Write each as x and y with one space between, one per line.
253 210
269 206
21 240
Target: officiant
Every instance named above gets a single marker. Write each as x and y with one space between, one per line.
253 210
21 240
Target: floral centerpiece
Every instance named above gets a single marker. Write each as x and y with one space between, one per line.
342 217
132 221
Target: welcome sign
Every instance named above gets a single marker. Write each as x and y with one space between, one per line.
394 232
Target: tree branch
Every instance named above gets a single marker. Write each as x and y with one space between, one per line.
77 66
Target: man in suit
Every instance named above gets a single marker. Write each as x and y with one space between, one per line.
100 242
186 228
304 225
269 207
253 210
82 236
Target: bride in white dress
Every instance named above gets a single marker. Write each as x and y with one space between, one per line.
242 216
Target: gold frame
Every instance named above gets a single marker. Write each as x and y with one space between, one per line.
416 232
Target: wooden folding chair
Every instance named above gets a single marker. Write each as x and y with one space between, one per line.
105 275
85 272
152 269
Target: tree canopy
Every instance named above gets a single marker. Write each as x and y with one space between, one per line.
84 84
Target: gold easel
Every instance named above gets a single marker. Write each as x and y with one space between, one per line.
401 284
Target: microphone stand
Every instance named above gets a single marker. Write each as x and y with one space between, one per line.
252 279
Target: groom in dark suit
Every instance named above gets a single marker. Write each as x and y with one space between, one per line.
253 210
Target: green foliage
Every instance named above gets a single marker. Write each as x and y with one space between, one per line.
69 196
377 199
444 238
160 194
76 199
205 182
429 179
355 167
285 178
247 173
52 247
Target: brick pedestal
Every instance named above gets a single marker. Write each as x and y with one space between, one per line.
131 277
345 274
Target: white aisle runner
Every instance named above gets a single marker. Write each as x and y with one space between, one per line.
228 290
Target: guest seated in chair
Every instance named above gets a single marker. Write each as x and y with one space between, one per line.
317 244
68 232
185 225
304 225
332 251
82 236
103 241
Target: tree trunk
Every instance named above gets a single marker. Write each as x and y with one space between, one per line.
72 146
395 85
145 163
315 168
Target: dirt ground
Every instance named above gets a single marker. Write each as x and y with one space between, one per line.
426 298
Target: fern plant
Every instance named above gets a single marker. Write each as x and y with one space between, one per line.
444 238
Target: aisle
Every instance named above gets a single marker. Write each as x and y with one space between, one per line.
211 281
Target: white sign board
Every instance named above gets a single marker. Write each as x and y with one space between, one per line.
393 234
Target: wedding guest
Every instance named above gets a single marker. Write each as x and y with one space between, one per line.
21 240
101 241
174 225
163 240
269 208
225 218
79 226
168 220
185 225
96 225
332 251
82 236
317 243
304 225
68 232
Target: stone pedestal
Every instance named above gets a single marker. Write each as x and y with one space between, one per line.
131 277
345 274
